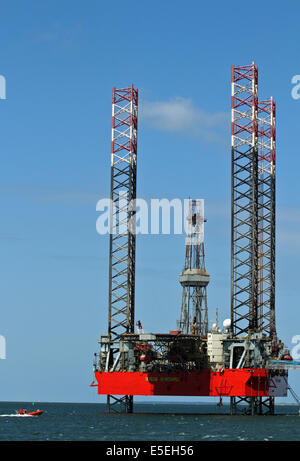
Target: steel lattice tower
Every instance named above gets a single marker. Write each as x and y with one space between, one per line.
244 220
266 218
122 225
194 278
253 217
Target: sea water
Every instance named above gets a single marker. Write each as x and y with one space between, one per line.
149 422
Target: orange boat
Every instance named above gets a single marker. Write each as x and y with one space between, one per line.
30 413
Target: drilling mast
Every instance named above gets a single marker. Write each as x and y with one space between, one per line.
194 278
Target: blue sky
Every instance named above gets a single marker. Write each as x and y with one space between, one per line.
60 60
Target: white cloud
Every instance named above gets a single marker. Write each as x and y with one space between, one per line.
180 115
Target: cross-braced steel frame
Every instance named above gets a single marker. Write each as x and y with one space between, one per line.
193 315
266 218
122 225
244 212
252 405
253 218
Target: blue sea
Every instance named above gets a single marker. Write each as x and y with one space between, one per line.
149 422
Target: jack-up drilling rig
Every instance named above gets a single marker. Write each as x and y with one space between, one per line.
244 361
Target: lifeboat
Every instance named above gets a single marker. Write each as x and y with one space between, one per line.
287 357
30 413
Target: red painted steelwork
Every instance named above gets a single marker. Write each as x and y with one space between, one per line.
229 382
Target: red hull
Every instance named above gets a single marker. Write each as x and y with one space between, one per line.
35 413
30 413
230 382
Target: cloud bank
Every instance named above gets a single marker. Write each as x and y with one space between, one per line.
180 115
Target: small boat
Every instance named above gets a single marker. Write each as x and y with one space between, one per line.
30 413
